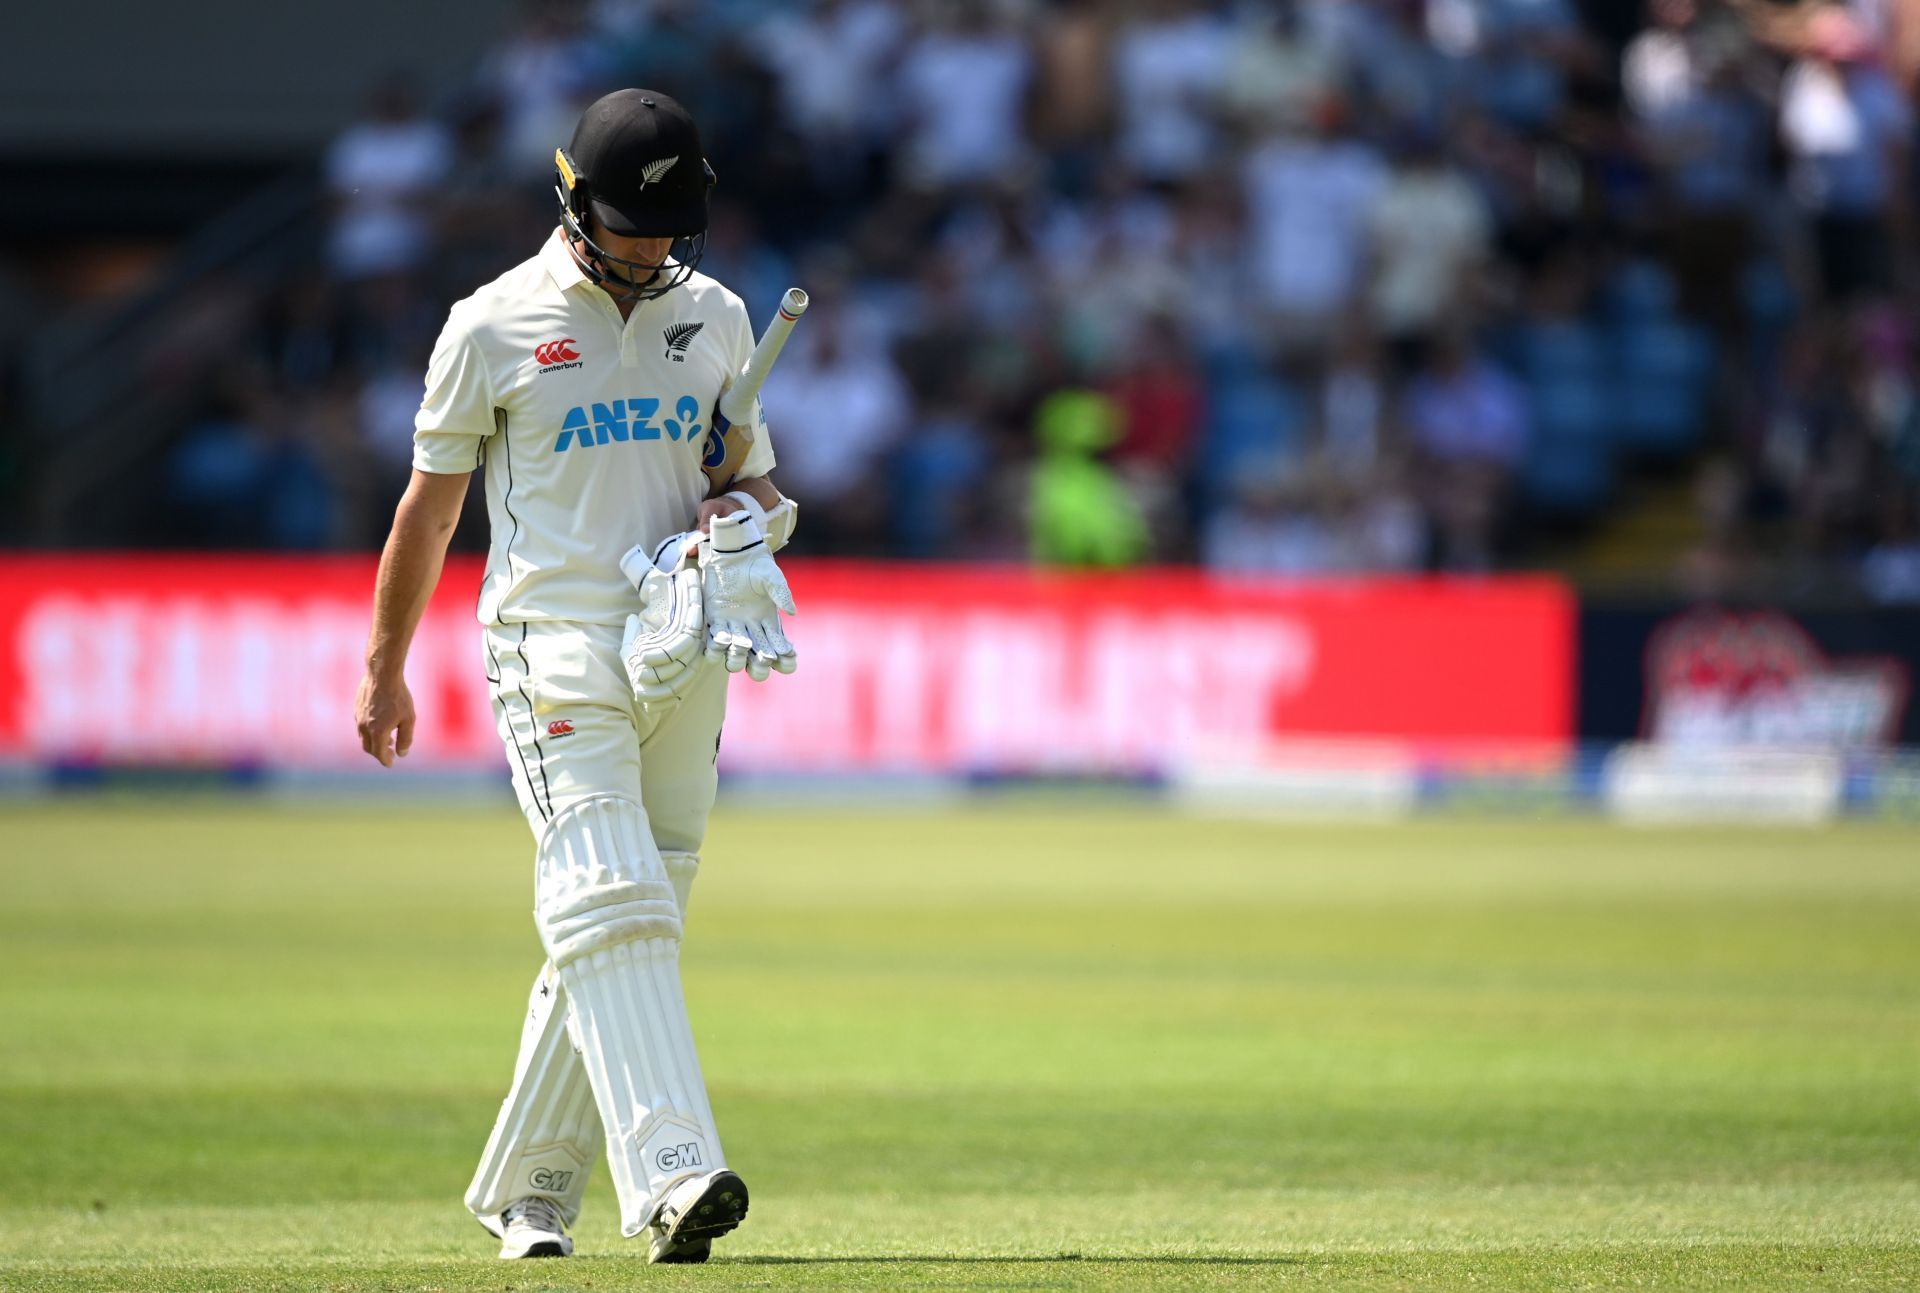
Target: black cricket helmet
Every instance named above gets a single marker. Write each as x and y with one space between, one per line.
636 165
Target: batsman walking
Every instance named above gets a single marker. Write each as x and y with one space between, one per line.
631 570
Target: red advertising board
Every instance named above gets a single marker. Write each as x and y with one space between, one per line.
217 659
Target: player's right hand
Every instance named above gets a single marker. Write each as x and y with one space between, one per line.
383 713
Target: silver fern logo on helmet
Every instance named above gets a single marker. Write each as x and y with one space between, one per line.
653 172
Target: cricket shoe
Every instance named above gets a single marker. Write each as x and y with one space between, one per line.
697 1211
530 1227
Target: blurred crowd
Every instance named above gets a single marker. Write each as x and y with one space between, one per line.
1319 286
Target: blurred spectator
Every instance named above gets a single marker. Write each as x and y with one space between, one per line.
302 343
1430 231
963 87
243 478
1399 72
1520 54
1890 572
548 68
739 256
1846 127
1276 519
389 397
1160 401
1463 408
1469 424
1353 407
1818 454
1281 71
1310 191
1073 47
1272 523
381 174
1664 66
1403 274
842 407
1719 566
1387 527
1168 70
937 473
830 59
484 211
1706 135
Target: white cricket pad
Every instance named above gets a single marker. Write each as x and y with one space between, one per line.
609 918
599 881
548 1132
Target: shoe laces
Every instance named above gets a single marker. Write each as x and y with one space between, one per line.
536 1211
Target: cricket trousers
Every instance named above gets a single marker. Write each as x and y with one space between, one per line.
573 731
566 713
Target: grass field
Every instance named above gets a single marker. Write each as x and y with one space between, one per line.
1023 1047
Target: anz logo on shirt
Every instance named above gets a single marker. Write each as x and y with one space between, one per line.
628 420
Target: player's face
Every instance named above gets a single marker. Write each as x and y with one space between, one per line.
648 252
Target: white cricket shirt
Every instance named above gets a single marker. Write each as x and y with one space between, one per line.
590 428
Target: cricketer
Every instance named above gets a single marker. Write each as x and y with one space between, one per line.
631 570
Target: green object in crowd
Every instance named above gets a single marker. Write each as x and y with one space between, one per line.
1083 515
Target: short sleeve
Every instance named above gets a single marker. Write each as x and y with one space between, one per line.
759 459
456 414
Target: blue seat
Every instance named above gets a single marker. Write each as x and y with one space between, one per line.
1570 459
1768 296
1568 477
931 476
1663 371
1252 419
1640 290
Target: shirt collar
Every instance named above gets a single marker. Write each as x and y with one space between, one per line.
559 261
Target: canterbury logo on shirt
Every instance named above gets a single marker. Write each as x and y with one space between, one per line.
552 355
586 425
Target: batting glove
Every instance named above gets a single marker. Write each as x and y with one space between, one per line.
744 595
662 644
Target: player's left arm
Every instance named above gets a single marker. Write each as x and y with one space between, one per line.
743 589
760 489
761 499
715 589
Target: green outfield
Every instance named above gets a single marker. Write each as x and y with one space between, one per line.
1007 1047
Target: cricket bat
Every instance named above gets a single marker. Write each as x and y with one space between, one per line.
732 432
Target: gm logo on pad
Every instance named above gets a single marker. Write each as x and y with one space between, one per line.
675 1157
546 1178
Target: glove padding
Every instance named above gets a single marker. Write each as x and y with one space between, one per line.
662 643
744 594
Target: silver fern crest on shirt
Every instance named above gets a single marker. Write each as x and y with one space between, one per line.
678 337
653 172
